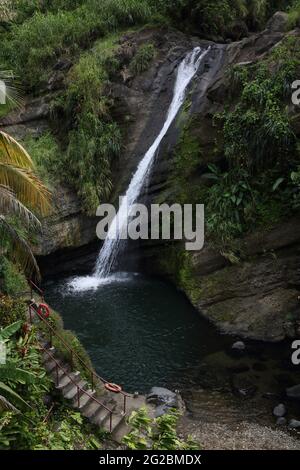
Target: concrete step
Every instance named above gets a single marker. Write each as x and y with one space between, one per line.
51 365
72 392
91 409
84 400
103 415
119 427
47 357
65 380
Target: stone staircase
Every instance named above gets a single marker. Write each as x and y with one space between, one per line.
102 408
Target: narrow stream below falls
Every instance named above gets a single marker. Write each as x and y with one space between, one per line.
142 332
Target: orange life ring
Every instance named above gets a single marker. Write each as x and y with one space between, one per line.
43 311
113 388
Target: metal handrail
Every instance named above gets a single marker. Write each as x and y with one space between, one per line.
34 286
79 388
74 353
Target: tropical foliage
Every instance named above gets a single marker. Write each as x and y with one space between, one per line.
156 434
21 192
25 420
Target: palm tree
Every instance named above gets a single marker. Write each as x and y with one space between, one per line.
21 193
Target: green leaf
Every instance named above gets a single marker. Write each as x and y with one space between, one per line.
14 374
10 330
277 183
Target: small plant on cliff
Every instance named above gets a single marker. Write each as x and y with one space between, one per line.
142 59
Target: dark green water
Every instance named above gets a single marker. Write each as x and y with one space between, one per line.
142 332
139 332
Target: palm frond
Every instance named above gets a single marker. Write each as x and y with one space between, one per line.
9 204
27 187
6 405
12 152
19 252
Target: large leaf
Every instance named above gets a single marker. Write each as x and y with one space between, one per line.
9 204
9 372
19 252
12 396
26 186
10 330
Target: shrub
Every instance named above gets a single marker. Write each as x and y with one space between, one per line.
12 280
11 310
294 15
156 434
47 156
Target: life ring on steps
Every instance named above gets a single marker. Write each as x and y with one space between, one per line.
113 388
43 311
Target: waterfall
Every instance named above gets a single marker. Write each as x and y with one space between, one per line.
113 242
111 247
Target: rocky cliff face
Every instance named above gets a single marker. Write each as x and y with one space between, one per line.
256 296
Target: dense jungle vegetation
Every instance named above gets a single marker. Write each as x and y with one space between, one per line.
255 177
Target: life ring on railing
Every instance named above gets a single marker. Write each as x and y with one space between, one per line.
43 311
113 388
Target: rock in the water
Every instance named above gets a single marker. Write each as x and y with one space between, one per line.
278 23
162 396
164 400
294 392
281 421
239 346
279 411
294 424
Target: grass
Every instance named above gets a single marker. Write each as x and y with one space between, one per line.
32 47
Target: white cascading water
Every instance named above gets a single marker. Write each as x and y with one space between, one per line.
111 247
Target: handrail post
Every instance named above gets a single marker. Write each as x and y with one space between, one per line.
125 404
78 396
92 380
110 422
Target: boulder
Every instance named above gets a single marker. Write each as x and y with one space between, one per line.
278 23
162 396
279 411
281 421
164 400
293 392
294 424
239 346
